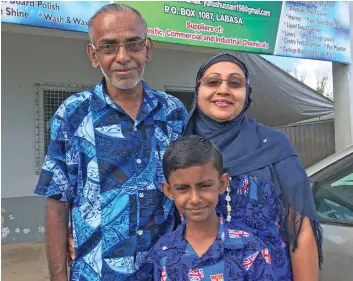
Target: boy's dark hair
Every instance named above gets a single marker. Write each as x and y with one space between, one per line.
191 151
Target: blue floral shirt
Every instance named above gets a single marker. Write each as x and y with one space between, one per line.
257 209
234 255
110 168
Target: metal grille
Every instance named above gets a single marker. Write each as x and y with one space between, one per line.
312 141
49 98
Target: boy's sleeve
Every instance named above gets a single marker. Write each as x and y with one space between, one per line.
59 173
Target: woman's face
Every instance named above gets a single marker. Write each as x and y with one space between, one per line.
222 91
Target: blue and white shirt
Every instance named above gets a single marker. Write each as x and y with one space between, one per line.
110 168
234 255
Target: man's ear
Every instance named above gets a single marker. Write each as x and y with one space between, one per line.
149 47
167 190
92 54
224 183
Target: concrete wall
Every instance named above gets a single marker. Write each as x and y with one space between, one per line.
313 141
342 77
28 59
23 219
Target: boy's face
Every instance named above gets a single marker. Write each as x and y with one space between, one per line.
195 191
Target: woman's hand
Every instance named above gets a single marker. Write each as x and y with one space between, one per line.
305 262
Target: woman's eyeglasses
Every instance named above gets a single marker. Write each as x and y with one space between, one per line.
234 82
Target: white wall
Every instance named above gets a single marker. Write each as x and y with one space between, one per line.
28 59
173 69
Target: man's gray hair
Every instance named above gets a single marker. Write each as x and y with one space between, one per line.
115 8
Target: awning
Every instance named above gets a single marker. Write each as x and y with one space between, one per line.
278 97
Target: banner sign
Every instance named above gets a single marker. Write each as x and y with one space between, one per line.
68 15
314 30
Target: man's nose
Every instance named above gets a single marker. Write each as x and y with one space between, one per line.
122 56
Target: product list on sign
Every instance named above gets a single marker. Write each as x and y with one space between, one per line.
46 11
207 26
306 31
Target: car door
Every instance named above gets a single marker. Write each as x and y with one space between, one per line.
333 195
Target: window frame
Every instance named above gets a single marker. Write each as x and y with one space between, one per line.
325 175
177 89
40 131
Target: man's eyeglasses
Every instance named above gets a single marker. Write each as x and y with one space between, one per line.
235 82
112 48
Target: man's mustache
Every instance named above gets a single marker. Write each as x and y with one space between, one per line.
123 68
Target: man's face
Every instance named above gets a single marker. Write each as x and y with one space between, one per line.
195 191
123 69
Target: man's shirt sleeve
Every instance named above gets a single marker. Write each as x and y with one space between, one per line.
179 117
59 172
148 270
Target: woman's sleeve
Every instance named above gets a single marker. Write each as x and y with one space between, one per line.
297 197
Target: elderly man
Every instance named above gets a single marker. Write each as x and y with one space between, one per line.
104 161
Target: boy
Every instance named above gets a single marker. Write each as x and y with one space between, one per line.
204 246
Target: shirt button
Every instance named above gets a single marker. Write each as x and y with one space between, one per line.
138 161
140 232
141 195
135 129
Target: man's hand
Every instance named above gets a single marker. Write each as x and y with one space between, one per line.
57 216
70 248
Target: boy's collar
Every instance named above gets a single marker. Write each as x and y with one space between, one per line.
232 238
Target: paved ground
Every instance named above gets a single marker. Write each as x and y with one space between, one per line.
24 262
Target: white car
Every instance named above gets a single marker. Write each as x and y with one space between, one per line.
332 184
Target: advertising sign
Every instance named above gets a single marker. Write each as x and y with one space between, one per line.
315 30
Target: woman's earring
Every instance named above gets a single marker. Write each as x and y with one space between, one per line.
228 199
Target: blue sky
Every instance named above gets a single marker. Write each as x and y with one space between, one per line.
311 69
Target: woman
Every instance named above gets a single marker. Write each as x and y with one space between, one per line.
269 193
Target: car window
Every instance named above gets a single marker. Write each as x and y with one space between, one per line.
333 194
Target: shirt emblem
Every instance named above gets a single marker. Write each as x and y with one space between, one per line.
266 254
217 277
237 233
195 274
249 261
